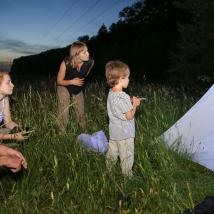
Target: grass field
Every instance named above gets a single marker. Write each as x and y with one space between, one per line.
63 177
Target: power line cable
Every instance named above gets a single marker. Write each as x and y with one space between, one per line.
81 16
63 15
99 15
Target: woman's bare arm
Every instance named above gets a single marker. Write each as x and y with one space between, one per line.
61 77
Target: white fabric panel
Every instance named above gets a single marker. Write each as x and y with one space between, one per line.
205 153
194 132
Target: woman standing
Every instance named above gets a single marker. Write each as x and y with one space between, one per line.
70 82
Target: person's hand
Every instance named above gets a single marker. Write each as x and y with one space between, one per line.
77 81
11 125
20 136
12 159
135 101
12 162
12 152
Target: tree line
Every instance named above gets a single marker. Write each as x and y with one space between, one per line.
166 41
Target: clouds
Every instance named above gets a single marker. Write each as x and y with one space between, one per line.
22 48
5 66
30 27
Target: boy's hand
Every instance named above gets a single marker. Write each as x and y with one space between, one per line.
135 101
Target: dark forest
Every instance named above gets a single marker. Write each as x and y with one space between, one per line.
163 41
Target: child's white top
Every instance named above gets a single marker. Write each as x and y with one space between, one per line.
2 113
118 103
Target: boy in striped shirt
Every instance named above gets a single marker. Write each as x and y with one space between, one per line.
121 111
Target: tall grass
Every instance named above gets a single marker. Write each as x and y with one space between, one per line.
63 177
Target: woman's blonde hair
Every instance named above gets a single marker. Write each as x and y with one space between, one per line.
2 74
75 50
115 70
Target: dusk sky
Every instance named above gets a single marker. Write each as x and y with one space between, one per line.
32 26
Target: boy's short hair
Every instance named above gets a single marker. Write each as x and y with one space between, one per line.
115 70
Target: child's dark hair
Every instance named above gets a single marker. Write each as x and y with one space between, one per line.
115 70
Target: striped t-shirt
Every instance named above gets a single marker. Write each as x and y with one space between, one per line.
118 103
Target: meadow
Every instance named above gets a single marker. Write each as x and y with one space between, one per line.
64 177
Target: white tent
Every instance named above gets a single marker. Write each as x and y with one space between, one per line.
194 132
